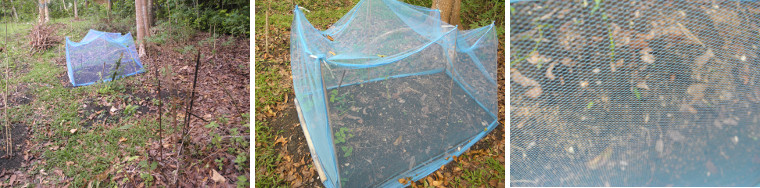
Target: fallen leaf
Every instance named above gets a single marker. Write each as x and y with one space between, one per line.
69 163
402 181
549 69
522 80
217 177
437 183
398 140
72 131
122 139
280 139
534 92
600 159
646 56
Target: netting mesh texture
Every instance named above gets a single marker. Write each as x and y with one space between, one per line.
390 91
95 57
634 93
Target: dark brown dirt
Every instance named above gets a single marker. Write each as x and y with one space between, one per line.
296 149
19 135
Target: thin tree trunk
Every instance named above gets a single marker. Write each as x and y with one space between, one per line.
150 13
139 26
145 18
47 11
63 5
76 12
449 10
15 14
40 11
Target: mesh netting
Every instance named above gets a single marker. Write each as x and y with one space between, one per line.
634 93
390 92
95 57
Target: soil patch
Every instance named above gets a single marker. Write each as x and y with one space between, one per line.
386 127
296 149
19 135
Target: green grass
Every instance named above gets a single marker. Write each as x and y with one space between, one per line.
266 156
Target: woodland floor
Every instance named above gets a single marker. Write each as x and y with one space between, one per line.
107 134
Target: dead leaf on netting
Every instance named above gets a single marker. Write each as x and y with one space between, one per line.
522 80
600 159
642 85
646 56
398 140
704 58
549 69
534 92
402 181
536 58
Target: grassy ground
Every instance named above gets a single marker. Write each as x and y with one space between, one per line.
280 145
104 134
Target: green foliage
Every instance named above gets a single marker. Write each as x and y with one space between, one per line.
479 13
242 181
130 109
342 135
347 150
223 16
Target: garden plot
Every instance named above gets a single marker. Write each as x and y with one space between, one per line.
385 127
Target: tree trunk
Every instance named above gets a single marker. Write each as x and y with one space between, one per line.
40 11
139 26
449 10
76 12
15 14
150 13
63 5
146 18
47 11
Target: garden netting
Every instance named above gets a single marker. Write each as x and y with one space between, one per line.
635 93
99 55
391 92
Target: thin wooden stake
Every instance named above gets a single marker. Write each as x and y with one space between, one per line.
8 126
187 117
160 128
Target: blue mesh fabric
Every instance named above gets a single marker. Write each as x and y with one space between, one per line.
94 57
390 91
634 93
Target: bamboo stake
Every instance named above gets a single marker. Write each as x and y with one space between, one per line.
187 117
8 126
160 128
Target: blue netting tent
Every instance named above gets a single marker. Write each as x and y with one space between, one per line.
635 93
390 92
95 57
